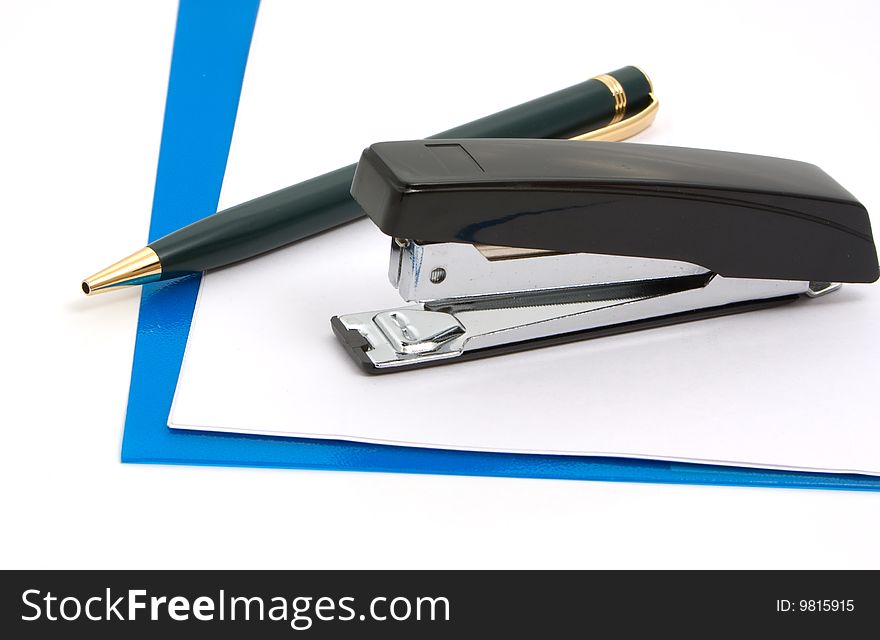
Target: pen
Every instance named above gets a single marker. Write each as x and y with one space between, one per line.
611 106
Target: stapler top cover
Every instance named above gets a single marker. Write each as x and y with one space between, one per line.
741 216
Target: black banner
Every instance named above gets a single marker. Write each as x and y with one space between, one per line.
429 604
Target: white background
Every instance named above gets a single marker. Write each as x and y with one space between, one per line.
80 119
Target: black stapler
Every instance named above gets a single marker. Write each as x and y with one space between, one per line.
507 245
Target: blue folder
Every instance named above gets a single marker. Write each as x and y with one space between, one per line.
210 52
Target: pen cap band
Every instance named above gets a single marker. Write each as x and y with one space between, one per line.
617 94
636 88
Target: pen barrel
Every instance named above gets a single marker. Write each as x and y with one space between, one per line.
260 225
323 202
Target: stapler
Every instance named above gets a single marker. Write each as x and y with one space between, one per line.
506 245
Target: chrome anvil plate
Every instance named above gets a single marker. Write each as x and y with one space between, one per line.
415 334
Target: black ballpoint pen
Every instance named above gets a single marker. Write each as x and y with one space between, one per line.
611 106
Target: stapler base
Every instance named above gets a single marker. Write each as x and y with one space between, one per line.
423 335
357 346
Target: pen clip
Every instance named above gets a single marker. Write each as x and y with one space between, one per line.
626 128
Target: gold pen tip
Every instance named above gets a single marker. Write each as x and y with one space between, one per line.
139 268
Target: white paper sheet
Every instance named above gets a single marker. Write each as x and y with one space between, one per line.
791 387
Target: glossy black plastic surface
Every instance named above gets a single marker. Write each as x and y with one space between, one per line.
739 215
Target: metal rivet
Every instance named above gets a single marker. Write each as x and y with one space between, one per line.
438 275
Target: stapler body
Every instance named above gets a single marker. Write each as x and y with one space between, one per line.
505 245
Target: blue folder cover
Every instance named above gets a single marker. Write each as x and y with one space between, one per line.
210 52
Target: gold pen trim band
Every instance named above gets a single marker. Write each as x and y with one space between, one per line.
617 93
625 128
139 268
